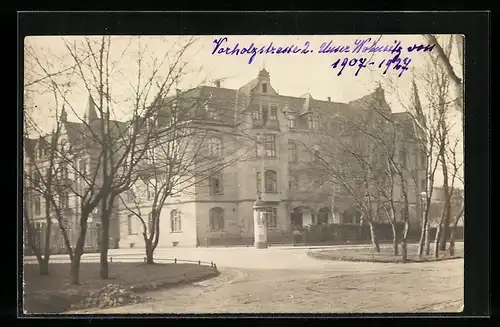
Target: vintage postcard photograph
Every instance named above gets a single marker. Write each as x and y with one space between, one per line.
243 174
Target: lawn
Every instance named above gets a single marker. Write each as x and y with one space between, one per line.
54 293
368 254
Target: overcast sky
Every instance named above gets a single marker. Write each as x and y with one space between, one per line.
292 74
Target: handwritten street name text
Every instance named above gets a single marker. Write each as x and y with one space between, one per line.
361 46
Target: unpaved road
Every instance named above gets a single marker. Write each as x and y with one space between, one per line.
333 287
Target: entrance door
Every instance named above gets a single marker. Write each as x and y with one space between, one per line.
296 219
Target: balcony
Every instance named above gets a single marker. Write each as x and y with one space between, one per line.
257 123
271 196
272 124
269 124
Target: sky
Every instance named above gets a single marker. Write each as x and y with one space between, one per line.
292 74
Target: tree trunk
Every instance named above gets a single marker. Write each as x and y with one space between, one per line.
427 238
423 234
48 232
75 269
437 241
149 253
395 239
376 245
404 243
79 247
31 242
444 233
451 248
104 271
43 266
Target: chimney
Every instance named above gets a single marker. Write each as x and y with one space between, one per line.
217 83
329 99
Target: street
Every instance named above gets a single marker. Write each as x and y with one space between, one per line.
287 280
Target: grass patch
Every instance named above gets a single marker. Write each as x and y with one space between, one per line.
54 293
366 254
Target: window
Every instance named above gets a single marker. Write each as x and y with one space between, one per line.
47 204
37 178
423 185
264 88
151 156
175 221
265 113
291 123
38 206
402 158
64 200
423 160
130 195
274 112
256 115
270 181
63 146
64 172
152 123
213 114
149 192
214 147
292 152
292 182
313 122
83 167
40 148
357 218
216 219
132 226
270 145
271 217
216 184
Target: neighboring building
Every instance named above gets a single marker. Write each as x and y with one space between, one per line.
244 118
438 203
74 144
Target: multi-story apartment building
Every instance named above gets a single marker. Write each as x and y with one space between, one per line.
56 167
275 138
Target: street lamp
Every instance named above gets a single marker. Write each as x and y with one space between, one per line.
259 207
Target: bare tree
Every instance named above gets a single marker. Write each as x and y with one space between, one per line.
445 62
175 163
110 149
45 175
349 159
427 119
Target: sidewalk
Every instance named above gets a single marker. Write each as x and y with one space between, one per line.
160 252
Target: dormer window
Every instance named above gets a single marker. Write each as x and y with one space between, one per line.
40 150
213 114
264 88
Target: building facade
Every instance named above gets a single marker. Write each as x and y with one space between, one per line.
275 138
58 168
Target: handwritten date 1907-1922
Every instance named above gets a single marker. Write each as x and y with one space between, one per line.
396 63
